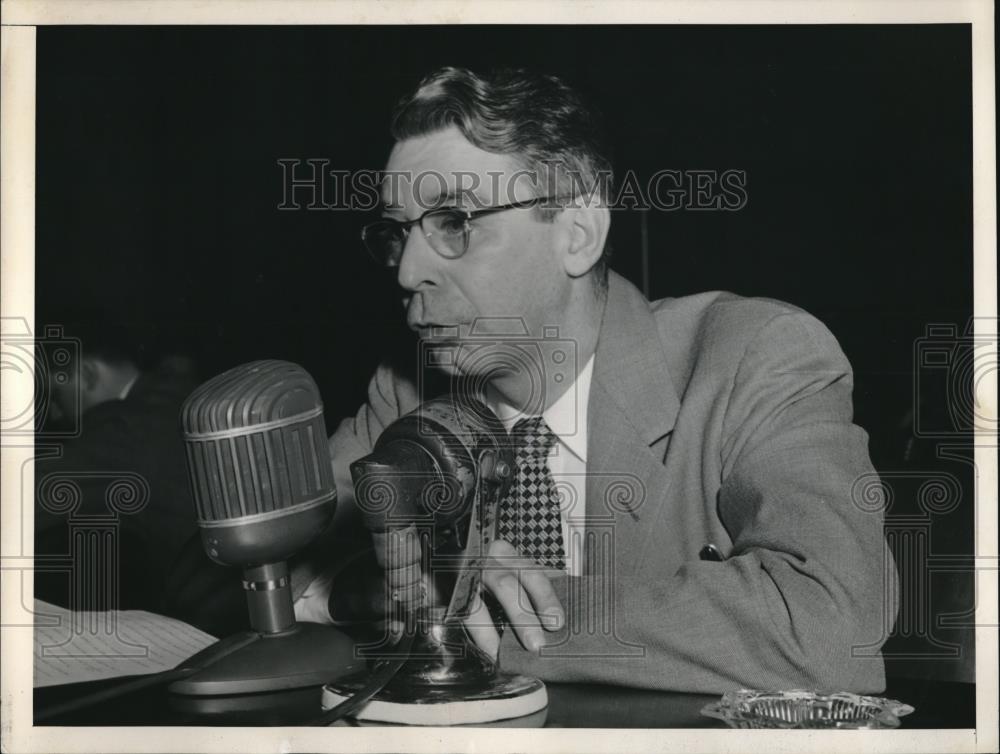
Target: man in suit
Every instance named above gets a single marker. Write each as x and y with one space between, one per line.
685 514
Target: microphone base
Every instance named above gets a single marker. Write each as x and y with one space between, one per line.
506 697
309 655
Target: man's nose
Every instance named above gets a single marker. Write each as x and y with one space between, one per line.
418 263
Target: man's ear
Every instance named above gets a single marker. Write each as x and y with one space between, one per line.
587 231
90 374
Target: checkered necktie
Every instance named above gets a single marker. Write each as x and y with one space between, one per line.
529 514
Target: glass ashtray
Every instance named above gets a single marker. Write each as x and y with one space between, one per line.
747 708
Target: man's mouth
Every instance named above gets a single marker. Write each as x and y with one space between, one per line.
426 327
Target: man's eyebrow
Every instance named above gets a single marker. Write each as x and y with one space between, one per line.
448 197
452 196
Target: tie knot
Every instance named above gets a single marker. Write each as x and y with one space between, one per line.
532 435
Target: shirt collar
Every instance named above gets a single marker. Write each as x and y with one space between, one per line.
567 417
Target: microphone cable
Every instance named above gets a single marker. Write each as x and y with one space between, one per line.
378 680
164 676
183 670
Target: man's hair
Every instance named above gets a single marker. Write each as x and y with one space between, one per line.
109 334
536 118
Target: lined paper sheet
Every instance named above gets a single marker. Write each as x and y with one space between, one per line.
75 647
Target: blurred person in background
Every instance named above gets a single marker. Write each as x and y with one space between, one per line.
123 394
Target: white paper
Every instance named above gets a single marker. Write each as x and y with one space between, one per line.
75 647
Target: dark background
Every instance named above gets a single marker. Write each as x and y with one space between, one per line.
158 186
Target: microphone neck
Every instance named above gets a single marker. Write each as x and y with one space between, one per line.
269 598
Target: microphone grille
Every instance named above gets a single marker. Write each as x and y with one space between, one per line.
256 443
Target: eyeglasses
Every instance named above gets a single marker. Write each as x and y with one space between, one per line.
447 230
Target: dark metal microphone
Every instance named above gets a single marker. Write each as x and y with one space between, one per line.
263 488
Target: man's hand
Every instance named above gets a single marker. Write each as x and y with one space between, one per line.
363 593
398 554
526 596
521 587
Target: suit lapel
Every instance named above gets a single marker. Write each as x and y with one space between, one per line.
632 405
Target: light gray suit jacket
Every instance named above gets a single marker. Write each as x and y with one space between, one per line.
712 419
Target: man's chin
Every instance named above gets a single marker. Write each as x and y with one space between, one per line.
442 355
456 359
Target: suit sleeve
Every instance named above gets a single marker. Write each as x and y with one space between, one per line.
389 397
802 598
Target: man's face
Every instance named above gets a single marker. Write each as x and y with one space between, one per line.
513 266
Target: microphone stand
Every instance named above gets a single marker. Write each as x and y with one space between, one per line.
276 653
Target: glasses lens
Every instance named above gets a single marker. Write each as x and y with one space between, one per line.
385 241
447 230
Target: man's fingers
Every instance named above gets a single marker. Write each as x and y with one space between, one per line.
403 578
524 592
520 586
543 598
516 605
397 548
395 629
504 557
480 626
390 629
398 553
409 596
